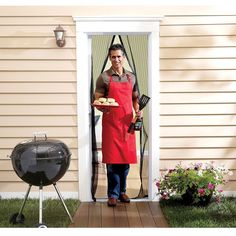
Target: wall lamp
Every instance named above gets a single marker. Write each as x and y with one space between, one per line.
60 36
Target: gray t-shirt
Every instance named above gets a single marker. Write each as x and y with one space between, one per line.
102 83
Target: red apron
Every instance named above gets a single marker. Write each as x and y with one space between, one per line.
119 146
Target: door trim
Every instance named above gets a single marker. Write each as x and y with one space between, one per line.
85 28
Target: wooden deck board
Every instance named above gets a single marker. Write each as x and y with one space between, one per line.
94 218
81 216
146 215
121 219
157 214
134 215
108 218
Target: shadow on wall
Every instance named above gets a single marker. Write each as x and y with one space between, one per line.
197 82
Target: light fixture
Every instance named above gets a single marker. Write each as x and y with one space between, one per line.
60 36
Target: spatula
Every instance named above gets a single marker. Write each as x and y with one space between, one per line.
143 101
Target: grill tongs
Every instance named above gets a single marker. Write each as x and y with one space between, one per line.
136 123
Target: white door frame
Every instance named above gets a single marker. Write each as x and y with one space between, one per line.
85 28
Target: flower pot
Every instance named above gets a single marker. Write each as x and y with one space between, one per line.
190 198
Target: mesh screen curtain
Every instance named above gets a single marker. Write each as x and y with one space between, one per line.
136 55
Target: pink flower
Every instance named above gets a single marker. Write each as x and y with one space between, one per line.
211 186
164 195
218 199
201 191
158 184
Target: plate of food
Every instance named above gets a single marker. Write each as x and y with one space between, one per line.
105 103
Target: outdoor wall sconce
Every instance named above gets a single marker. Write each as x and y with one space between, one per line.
60 36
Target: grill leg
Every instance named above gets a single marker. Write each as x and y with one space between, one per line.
26 196
23 204
40 204
63 203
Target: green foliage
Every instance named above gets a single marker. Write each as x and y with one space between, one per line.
54 214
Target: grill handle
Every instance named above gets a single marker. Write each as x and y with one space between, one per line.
40 135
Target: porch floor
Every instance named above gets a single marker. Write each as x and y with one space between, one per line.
133 215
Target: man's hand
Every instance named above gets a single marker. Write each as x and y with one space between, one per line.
139 114
103 110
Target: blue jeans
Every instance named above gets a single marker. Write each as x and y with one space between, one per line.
116 178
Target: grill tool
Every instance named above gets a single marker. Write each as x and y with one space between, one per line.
136 123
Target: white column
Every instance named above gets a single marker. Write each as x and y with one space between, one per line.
154 114
84 112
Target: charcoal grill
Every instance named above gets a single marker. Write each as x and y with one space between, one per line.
40 162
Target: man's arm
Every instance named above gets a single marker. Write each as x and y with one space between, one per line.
100 90
135 101
98 95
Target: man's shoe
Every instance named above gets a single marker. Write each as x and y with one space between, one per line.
124 198
112 202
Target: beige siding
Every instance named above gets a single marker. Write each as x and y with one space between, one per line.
198 102
197 87
37 91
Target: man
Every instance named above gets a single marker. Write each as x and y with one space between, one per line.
118 146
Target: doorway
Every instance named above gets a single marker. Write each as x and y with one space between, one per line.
86 27
136 62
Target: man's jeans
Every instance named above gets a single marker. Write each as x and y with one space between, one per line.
116 176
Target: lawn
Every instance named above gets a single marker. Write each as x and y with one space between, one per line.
177 214
213 215
54 214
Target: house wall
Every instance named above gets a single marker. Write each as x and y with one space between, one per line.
37 90
197 62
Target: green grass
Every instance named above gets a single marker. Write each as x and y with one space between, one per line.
177 214
54 214
213 215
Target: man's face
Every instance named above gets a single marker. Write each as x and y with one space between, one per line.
117 59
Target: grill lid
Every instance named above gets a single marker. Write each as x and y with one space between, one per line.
40 162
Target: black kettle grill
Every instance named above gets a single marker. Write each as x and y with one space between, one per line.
40 162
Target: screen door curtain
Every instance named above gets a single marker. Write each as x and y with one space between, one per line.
136 56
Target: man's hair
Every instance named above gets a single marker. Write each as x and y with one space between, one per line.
115 47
